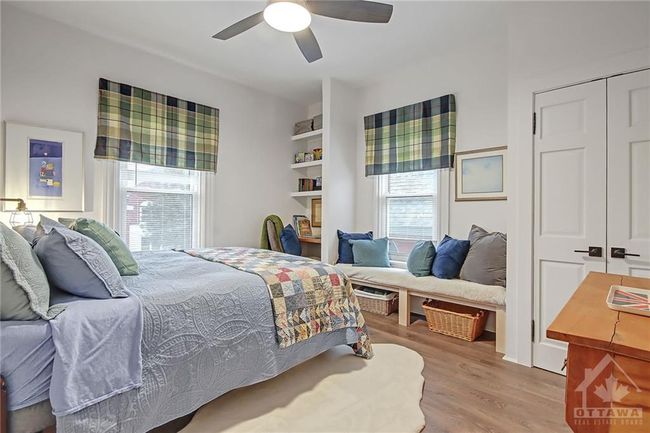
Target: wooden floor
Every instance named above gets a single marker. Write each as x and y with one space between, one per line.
469 388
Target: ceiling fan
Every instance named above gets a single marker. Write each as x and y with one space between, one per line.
294 16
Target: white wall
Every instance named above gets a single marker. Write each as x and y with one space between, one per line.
478 78
553 45
49 78
537 46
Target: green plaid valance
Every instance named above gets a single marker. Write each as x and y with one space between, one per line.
416 137
137 125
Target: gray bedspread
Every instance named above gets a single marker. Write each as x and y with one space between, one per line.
207 329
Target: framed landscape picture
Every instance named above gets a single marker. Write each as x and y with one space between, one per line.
44 167
481 174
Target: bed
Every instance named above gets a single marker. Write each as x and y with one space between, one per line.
206 328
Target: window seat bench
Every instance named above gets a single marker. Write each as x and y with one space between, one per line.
490 298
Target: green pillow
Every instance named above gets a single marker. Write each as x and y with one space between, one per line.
373 253
110 242
421 258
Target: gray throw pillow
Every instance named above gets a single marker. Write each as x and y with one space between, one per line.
486 260
24 292
27 231
77 264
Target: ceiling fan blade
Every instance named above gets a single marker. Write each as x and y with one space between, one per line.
308 45
352 10
240 26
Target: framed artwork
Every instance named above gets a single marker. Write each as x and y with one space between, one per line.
44 167
316 212
481 174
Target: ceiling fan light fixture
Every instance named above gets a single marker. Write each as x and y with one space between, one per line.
287 16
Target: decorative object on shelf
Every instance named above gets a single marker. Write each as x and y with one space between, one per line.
305 184
316 212
137 125
299 157
303 126
481 174
415 137
45 166
318 183
20 216
318 122
303 226
318 154
309 157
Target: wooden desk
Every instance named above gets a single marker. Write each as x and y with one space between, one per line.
609 351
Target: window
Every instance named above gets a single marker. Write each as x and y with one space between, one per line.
409 210
158 207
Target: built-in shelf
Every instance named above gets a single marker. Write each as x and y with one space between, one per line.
310 240
307 164
307 193
307 135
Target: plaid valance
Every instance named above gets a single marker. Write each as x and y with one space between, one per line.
416 137
137 125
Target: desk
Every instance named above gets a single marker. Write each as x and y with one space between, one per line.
608 359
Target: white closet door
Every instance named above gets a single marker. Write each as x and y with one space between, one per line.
570 203
628 225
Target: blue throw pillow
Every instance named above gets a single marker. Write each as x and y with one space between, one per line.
78 265
345 249
290 241
450 257
421 259
371 252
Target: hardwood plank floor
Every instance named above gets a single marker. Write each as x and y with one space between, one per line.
469 388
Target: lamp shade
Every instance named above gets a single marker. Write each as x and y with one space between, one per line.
19 218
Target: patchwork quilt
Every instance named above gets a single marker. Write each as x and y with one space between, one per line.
308 297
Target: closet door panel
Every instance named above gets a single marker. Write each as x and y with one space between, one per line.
570 203
628 178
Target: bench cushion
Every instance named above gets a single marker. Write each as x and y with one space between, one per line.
401 278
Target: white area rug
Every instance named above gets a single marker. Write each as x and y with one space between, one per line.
334 392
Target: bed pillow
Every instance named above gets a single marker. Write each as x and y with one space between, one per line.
24 289
345 249
486 260
43 227
110 242
450 256
421 258
372 253
77 264
290 241
27 231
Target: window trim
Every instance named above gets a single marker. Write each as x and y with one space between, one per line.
380 185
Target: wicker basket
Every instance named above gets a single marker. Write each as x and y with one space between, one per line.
372 304
458 321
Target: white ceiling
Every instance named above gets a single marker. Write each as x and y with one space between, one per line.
267 59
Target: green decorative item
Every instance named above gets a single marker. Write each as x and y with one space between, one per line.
416 137
110 242
137 125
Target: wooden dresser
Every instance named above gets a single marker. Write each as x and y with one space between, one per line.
608 361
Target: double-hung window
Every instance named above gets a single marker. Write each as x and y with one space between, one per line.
158 207
409 209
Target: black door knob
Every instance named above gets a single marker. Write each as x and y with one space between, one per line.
619 253
592 251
